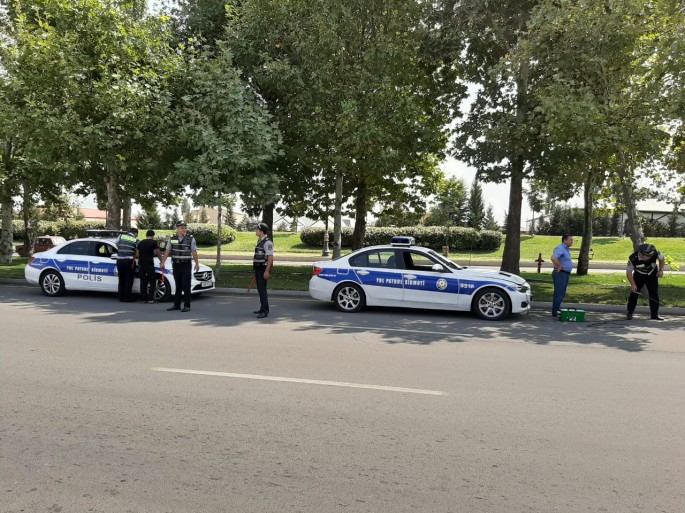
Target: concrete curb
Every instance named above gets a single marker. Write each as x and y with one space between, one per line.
540 306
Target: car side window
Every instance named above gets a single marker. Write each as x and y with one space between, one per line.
104 250
418 261
378 259
79 247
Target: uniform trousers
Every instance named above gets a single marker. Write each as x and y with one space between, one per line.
651 281
261 288
183 273
126 272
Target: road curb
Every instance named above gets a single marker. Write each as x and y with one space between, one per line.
541 306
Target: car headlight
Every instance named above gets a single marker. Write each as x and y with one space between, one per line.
523 288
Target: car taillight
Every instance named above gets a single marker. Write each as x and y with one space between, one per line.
31 259
317 270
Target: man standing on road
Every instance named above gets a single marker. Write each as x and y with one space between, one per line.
563 265
147 250
642 271
262 261
126 252
182 249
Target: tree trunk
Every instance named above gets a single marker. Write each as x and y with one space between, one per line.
337 215
268 215
217 266
632 222
113 203
126 213
512 243
26 205
6 206
360 210
588 208
6 236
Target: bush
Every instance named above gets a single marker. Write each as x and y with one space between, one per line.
68 229
207 234
457 238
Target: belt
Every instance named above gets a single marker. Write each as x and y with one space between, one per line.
562 271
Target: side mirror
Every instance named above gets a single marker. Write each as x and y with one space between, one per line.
438 267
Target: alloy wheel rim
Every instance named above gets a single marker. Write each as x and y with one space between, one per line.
348 298
491 305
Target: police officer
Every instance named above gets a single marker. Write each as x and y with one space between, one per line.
262 261
182 249
645 267
126 262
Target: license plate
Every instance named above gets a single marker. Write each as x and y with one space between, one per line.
206 284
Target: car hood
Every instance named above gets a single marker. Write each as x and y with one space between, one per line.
489 274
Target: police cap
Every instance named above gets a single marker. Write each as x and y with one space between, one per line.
646 249
181 223
263 227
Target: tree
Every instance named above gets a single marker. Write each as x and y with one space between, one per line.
499 135
451 207
490 223
599 97
185 209
149 219
362 112
475 216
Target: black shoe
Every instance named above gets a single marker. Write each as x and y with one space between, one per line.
629 316
262 315
257 312
171 309
185 309
657 318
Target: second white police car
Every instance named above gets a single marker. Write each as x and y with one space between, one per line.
90 264
405 275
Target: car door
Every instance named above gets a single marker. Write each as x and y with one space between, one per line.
103 268
73 262
424 283
379 274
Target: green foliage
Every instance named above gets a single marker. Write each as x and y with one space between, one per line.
451 204
149 218
475 217
67 229
458 238
208 234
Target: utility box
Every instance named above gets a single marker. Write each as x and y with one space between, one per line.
572 315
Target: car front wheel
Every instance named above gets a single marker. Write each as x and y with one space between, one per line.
52 284
160 291
349 298
491 304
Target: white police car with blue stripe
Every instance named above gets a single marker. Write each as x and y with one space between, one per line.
90 264
405 275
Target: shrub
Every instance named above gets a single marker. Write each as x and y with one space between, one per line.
457 238
207 234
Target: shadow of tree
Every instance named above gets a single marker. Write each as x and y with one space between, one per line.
394 326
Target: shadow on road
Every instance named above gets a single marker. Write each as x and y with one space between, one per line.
394 326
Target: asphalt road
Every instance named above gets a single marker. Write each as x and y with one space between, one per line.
113 407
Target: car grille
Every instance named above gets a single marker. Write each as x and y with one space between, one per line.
204 275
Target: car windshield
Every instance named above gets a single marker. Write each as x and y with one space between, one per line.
443 260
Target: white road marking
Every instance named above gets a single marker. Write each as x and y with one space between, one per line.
299 380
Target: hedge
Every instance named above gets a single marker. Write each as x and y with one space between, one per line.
205 234
457 238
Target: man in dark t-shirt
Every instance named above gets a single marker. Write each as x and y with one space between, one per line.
146 251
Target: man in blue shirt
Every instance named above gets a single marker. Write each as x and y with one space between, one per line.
561 258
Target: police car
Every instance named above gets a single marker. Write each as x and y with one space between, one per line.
405 275
90 264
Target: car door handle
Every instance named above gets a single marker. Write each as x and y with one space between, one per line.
363 273
410 276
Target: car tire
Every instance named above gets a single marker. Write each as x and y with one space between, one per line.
349 298
52 284
491 304
162 290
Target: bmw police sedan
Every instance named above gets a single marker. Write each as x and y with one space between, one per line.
405 275
90 264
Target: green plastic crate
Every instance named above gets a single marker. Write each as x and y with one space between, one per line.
572 315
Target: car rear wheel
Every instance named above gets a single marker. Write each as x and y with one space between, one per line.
349 298
160 291
491 304
52 284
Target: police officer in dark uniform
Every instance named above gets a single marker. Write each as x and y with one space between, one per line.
126 262
183 250
262 261
645 267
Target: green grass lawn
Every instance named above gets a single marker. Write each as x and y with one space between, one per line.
606 249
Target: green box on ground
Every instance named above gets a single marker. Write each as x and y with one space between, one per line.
572 315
